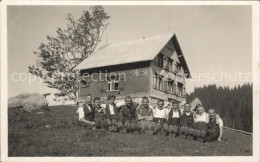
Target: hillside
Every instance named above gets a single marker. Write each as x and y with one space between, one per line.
235 105
28 136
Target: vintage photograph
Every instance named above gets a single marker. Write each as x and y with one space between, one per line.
129 80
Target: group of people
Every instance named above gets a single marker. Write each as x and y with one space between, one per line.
170 119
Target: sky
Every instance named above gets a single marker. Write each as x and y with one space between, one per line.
216 40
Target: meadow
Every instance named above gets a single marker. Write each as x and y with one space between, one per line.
56 133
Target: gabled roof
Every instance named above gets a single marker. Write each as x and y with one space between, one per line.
145 49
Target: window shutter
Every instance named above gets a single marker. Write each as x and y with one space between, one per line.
113 86
170 65
121 77
165 85
158 82
121 85
172 89
156 61
154 81
104 86
170 86
165 62
160 60
176 67
121 82
176 88
183 91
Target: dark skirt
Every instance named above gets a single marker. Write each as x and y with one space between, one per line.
202 126
187 121
174 122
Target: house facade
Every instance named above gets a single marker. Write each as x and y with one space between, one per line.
154 67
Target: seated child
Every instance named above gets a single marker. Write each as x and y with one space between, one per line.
201 123
112 115
86 113
99 114
174 119
127 115
160 115
215 125
187 121
144 115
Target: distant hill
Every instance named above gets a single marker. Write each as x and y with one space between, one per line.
235 105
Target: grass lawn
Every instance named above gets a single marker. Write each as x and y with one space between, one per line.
29 136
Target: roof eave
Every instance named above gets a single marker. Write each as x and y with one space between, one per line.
112 65
179 52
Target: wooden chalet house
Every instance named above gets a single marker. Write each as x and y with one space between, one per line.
154 67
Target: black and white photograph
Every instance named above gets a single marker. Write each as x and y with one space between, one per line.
130 80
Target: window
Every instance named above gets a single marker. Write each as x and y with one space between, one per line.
170 84
178 68
155 81
160 60
175 88
165 63
180 89
170 65
113 83
158 82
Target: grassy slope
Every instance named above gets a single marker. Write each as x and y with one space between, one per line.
29 137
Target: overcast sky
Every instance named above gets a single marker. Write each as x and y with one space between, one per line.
214 39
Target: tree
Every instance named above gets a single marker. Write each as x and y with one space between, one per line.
58 57
234 105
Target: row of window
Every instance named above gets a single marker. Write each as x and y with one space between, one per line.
168 64
168 85
159 82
